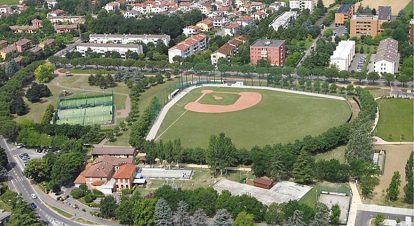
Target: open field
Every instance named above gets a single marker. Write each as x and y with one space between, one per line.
396 5
9 2
76 84
395 160
278 118
396 119
337 153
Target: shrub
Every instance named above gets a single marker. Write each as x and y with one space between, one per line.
89 198
77 193
97 193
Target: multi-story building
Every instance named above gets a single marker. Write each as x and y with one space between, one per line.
149 7
5 9
112 6
205 25
411 31
273 51
128 39
345 12
283 20
232 29
124 177
7 50
343 55
387 58
219 21
301 4
227 50
56 12
63 28
66 19
188 47
102 48
191 30
370 24
245 21
22 45
36 25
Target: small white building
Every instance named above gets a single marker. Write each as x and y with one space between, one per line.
188 47
112 6
128 38
51 4
232 29
301 4
191 30
343 55
130 14
283 20
387 57
5 9
102 48
66 19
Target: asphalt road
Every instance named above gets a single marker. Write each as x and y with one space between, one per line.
20 184
363 217
68 48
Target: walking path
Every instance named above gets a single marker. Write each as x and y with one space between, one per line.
356 200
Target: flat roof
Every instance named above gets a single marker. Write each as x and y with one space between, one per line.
344 8
268 42
109 45
113 151
384 12
342 50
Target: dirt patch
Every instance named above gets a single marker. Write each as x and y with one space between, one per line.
217 97
246 100
354 108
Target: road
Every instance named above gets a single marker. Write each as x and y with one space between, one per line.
19 183
68 48
367 212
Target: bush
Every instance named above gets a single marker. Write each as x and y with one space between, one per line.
89 198
97 193
77 193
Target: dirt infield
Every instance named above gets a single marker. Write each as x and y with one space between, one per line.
246 100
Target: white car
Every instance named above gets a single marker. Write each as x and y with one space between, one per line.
33 196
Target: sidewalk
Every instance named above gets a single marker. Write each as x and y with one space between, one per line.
356 201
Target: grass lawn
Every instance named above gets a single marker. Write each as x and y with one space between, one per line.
219 98
378 92
409 8
311 198
160 91
367 48
83 221
61 212
9 2
337 153
396 120
122 140
279 118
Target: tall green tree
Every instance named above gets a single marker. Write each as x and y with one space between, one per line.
244 219
144 212
303 169
3 157
199 218
296 219
221 153
48 115
321 216
222 218
108 206
182 217
409 191
393 188
335 214
163 214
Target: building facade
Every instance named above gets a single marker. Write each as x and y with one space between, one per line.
227 50
345 12
188 47
283 20
343 55
273 51
102 48
387 57
128 39
301 4
411 32
370 24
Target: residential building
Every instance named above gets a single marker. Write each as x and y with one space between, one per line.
301 4
191 30
246 21
387 58
411 31
7 50
56 12
47 43
219 21
277 5
259 15
131 14
66 19
63 28
124 176
5 9
188 47
149 7
370 24
128 38
345 12
35 50
205 25
227 50
273 51
118 152
22 45
112 6
51 3
36 25
343 55
283 20
102 48
232 29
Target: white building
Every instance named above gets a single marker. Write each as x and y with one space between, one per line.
130 14
148 7
112 6
343 55
277 5
4 9
66 19
283 20
191 30
188 47
102 48
387 57
51 4
219 21
301 4
128 39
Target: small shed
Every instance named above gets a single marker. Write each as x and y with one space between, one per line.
263 183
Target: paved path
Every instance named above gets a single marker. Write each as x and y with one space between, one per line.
356 200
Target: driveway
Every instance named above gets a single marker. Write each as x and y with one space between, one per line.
358 62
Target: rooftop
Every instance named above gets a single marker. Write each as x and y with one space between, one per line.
388 51
113 45
22 42
125 171
128 36
268 42
384 12
113 150
342 50
344 8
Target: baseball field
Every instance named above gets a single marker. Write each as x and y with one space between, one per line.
249 116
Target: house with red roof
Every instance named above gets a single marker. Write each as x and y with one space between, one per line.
188 47
227 50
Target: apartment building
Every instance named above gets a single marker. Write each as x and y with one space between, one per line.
128 38
232 29
227 50
283 20
219 21
205 25
345 12
387 58
102 48
274 51
63 28
149 7
188 47
370 24
301 4
66 19
191 30
343 55
36 25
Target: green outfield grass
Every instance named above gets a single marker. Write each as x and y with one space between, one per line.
279 118
214 98
396 120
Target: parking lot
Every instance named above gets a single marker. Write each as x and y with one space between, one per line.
357 63
343 201
24 155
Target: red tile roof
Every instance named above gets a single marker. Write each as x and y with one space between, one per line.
125 171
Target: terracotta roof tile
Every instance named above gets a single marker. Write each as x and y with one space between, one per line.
125 171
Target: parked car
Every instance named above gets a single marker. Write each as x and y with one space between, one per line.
20 146
33 205
33 196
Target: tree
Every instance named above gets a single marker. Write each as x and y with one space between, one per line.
332 88
124 212
368 184
409 191
108 206
10 68
244 219
296 219
379 219
3 157
389 78
37 170
22 214
48 115
199 218
163 214
335 214
373 76
44 72
36 91
393 188
223 218
220 153
66 167
182 217
274 214
321 216
303 168
144 212
3 173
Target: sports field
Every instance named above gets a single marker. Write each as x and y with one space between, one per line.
396 119
277 118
